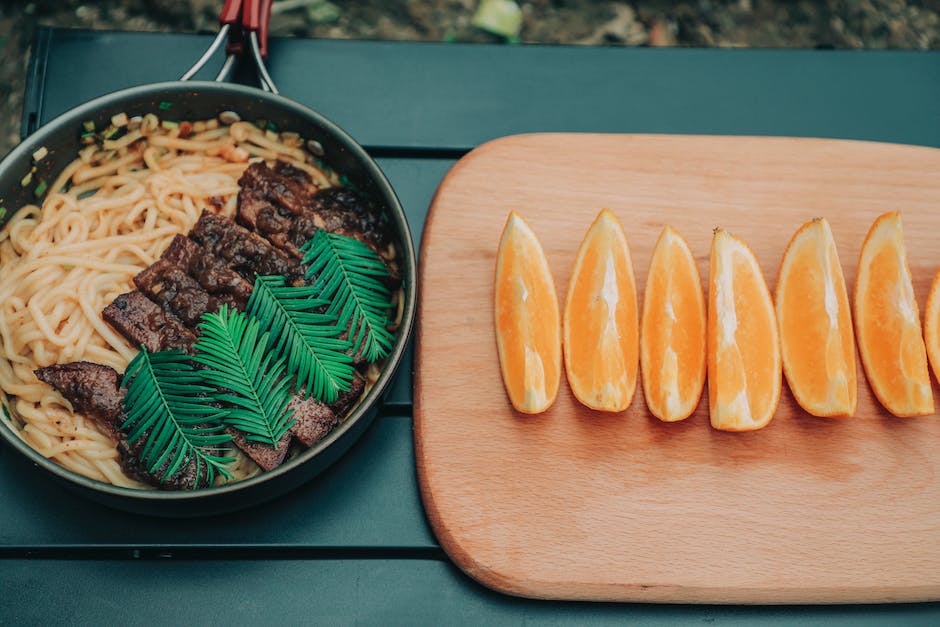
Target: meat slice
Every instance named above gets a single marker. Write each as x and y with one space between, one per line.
281 185
263 454
345 400
345 212
243 251
189 282
171 288
144 323
313 419
286 231
276 203
294 173
212 274
94 390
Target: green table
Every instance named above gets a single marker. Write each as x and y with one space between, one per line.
353 545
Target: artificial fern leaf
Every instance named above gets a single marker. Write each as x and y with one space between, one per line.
163 405
255 389
348 275
305 338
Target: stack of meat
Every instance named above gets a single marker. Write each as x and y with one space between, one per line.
279 209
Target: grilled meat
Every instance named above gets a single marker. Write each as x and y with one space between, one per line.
263 454
313 419
171 288
243 251
94 390
144 323
210 272
282 204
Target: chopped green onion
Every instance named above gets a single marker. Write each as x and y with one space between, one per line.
40 189
68 266
26 180
271 126
89 126
168 124
3 212
40 154
110 132
165 105
88 134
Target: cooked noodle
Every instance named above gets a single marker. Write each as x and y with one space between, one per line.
109 215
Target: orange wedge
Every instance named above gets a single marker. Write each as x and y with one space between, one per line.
743 347
932 325
528 328
816 336
600 325
672 330
887 322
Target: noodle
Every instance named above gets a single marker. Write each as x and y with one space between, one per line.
109 215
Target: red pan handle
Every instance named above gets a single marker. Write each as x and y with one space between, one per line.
233 15
230 12
265 15
251 15
230 31
256 15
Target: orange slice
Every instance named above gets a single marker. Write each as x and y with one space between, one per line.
528 328
816 336
600 325
672 330
887 322
743 347
932 325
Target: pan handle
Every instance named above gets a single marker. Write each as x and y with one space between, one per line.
256 17
229 17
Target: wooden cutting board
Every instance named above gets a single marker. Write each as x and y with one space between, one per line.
576 504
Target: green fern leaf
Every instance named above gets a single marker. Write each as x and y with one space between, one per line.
163 404
306 339
254 389
348 275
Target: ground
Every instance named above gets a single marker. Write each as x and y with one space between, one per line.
752 23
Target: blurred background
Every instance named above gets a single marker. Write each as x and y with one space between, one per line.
873 24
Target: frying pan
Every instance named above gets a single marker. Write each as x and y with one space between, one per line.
201 100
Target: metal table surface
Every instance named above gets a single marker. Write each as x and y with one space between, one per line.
353 545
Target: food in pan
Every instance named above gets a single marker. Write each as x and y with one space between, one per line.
192 303
528 324
601 329
672 330
887 322
816 336
744 366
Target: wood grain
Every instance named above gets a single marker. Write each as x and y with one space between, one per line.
575 504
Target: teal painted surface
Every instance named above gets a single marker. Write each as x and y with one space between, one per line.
343 592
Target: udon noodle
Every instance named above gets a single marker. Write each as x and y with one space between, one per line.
109 215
